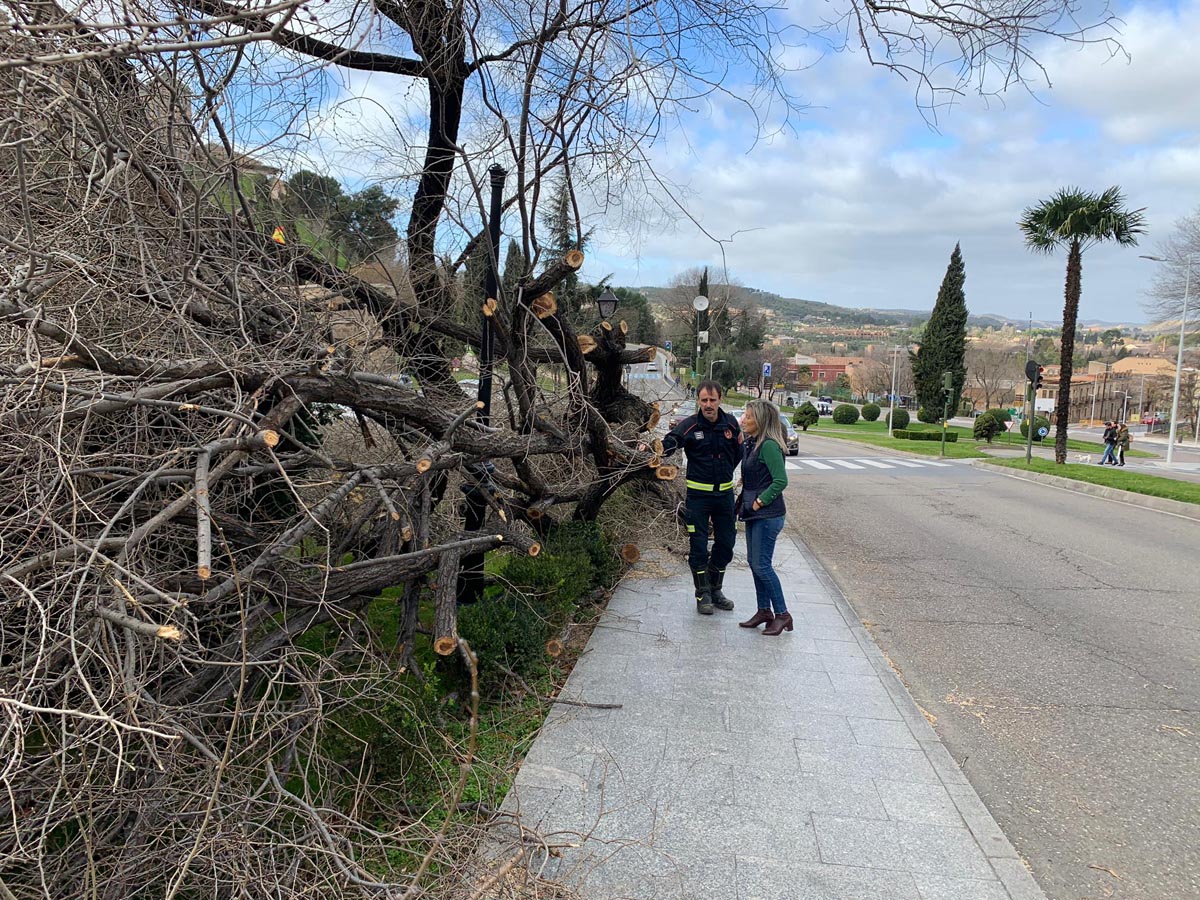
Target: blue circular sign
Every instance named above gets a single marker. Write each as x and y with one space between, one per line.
1043 431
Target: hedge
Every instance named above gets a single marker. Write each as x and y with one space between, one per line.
904 435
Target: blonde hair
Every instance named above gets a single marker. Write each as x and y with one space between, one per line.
766 418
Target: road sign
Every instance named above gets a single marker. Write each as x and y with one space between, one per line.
1043 431
668 345
766 370
702 337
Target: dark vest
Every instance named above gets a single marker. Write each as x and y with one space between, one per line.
756 477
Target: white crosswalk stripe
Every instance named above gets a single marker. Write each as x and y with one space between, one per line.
862 464
876 463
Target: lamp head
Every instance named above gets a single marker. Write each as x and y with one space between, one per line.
607 303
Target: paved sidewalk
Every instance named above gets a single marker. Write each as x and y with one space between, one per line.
742 766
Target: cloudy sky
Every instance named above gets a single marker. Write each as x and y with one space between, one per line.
862 203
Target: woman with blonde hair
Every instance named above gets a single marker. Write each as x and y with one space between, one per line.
764 478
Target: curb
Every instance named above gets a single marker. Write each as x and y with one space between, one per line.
1145 501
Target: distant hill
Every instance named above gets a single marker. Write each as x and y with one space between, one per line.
815 312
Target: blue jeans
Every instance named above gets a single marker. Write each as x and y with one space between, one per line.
760 548
1109 454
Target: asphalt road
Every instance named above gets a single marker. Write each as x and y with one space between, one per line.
1056 639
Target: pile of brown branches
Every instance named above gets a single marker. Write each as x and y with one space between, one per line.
199 466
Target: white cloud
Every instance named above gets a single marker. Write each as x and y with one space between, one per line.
865 203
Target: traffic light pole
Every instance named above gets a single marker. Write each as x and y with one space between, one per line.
1031 418
947 387
1033 379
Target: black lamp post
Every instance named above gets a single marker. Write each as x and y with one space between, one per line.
607 304
478 482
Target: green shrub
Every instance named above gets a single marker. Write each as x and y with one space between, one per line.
928 416
1040 422
845 414
806 416
900 418
535 597
505 631
986 427
870 412
999 414
951 436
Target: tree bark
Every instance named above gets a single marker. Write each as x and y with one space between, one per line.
1062 410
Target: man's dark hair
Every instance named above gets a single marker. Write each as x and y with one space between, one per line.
710 385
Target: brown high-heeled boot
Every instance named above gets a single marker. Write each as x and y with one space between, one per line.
763 615
782 622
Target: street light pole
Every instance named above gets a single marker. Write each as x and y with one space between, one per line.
699 304
1124 405
710 367
892 396
1187 285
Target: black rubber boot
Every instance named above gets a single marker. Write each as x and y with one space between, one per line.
704 603
716 578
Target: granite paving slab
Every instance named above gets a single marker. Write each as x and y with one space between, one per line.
746 767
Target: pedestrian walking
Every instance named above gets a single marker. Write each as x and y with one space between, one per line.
764 478
1122 442
712 442
1110 443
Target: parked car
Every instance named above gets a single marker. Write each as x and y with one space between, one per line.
824 406
793 437
651 367
1153 419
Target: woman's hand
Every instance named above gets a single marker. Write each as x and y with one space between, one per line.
757 504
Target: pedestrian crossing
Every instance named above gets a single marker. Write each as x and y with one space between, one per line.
861 464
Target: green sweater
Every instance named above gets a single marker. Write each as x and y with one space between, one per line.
772 458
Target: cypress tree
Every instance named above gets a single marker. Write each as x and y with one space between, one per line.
944 345
514 270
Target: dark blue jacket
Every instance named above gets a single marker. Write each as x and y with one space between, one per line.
713 450
756 478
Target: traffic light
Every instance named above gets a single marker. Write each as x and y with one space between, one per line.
1037 382
948 382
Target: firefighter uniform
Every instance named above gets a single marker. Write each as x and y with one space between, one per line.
713 450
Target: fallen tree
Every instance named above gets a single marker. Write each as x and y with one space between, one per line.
208 455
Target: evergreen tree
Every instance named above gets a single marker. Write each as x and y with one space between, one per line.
514 270
563 237
944 344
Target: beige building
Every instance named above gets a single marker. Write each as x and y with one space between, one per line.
1148 366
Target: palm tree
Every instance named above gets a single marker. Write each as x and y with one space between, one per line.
1080 220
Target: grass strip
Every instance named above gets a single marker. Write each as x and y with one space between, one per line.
867 431
1107 476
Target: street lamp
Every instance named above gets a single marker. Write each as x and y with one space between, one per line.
607 304
1187 284
1124 405
699 304
710 367
892 397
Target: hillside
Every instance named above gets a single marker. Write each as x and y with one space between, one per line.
816 313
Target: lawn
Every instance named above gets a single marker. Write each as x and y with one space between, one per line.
1151 485
967 447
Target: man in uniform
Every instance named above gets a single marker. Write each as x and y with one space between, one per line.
711 440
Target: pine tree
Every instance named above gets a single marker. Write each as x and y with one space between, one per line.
944 344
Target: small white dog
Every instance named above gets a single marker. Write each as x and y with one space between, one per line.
1082 457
